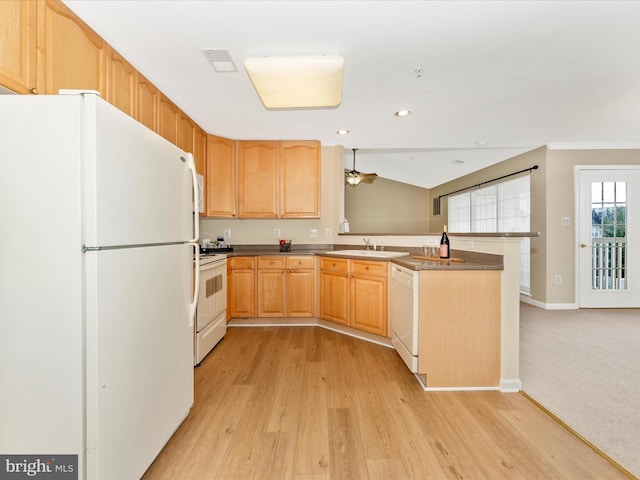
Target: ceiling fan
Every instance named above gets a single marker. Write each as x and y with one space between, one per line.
354 177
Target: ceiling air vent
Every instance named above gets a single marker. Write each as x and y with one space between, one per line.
220 59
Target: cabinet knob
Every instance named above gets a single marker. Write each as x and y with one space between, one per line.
34 91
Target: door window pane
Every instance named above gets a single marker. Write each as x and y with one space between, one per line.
608 232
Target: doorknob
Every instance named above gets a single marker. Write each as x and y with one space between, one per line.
582 245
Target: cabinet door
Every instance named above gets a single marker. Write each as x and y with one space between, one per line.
187 134
200 156
241 294
221 177
271 293
300 297
368 299
121 83
257 179
334 297
168 119
18 45
147 100
200 150
300 179
74 55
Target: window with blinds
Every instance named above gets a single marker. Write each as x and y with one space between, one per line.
501 207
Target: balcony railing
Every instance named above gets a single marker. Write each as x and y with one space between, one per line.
608 264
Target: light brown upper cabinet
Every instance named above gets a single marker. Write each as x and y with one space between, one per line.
168 119
187 134
200 154
278 179
18 61
147 100
299 179
75 57
258 179
200 150
194 140
121 83
221 177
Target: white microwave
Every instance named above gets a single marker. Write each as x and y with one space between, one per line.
200 193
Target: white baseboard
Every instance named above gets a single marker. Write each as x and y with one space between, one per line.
548 306
510 385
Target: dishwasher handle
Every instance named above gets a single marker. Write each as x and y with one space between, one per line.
404 276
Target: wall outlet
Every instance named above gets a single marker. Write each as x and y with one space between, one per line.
227 233
313 232
566 221
432 242
276 232
327 233
558 279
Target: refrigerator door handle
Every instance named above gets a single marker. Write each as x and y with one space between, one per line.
196 287
194 177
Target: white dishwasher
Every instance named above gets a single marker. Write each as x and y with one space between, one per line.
404 314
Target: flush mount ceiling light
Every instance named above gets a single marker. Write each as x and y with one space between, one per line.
304 81
343 132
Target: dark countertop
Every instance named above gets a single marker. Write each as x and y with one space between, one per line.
451 234
472 260
418 264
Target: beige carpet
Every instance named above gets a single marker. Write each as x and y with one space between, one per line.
584 366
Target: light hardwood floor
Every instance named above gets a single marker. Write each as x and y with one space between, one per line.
306 403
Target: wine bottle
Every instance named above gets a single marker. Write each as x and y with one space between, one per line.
444 244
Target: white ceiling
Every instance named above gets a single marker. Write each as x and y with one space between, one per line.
513 74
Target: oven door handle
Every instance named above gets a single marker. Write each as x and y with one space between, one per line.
196 287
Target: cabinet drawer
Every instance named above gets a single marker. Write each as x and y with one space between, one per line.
236 263
363 267
299 262
271 262
334 264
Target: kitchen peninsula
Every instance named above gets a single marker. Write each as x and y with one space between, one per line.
488 275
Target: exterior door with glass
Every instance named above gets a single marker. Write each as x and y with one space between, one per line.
608 236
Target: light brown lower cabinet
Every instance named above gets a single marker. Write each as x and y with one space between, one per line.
354 293
241 287
285 286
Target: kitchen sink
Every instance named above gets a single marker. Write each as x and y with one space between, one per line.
368 253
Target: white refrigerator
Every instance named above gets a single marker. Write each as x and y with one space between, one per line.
96 273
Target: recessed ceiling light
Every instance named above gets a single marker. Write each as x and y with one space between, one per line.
343 132
402 113
458 162
481 143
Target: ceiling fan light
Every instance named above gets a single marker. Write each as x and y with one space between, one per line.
303 81
354 178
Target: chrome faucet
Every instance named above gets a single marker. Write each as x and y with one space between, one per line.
367 241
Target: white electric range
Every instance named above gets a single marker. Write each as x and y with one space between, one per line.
211 314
